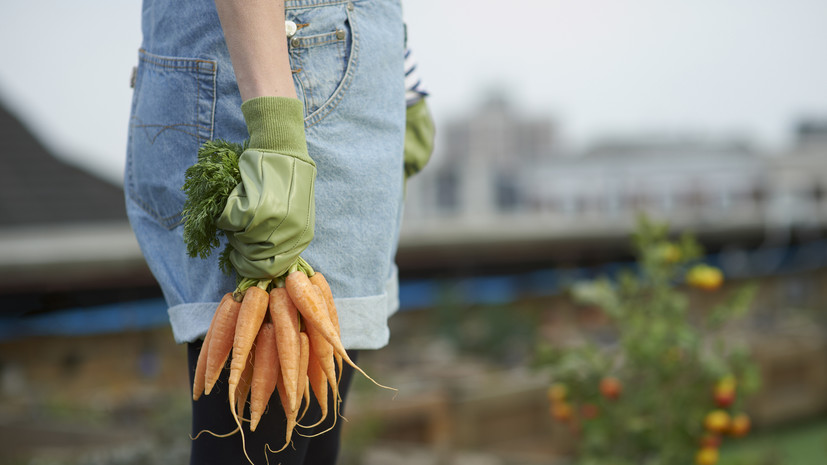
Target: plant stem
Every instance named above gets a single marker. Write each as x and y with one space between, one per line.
243 285
306 268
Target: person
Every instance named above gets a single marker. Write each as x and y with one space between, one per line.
320 83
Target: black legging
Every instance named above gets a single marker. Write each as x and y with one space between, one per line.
212 412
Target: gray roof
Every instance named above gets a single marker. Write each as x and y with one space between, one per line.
37 189
60 226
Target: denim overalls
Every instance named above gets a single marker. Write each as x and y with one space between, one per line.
347 59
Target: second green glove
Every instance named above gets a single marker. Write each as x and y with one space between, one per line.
419 137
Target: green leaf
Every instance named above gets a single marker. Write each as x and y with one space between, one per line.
599 292
208 183
734 307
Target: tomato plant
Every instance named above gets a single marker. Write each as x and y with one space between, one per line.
663 387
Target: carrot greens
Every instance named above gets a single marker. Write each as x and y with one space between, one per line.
208 184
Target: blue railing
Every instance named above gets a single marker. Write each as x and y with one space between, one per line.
110 318
425 293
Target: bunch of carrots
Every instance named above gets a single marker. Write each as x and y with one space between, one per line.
279 334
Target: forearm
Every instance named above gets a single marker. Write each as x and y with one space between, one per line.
256 38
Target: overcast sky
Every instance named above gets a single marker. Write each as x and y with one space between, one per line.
599 67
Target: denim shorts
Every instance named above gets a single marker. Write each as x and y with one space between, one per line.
347 59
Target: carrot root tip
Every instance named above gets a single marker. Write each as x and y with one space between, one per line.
225 435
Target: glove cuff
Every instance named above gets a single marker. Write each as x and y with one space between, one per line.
276 124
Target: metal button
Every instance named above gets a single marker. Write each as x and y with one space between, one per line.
350 6
291 28
340 34
295 42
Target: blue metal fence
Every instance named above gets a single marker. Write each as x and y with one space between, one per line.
111 318
425 293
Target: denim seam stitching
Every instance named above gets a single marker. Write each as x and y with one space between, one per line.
318 39
213 103
301 5
164 127
197 109
317 44
299 76
177 62
323 111
306 86
197 72
163 220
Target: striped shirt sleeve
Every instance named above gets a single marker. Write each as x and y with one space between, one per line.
414 88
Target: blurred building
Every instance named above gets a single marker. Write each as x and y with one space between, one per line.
499 178
811 136
65 241
484 158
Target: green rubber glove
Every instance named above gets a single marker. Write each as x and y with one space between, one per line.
270 215
419 137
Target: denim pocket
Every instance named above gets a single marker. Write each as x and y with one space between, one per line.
172 114
323 56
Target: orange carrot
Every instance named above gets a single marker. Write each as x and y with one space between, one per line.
306 397
321 372
201 366
222 332
243 388
200 369
322 351
250 317
285 319
319 280
319 384
305 361
265 374
311 306
290 412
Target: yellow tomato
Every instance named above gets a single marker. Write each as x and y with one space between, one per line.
705 277
717 421
561 411
557 392
740 425
724 394
707 456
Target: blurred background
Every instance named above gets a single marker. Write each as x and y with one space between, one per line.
559 124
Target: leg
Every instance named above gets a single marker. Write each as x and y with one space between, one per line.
212 413
324 449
